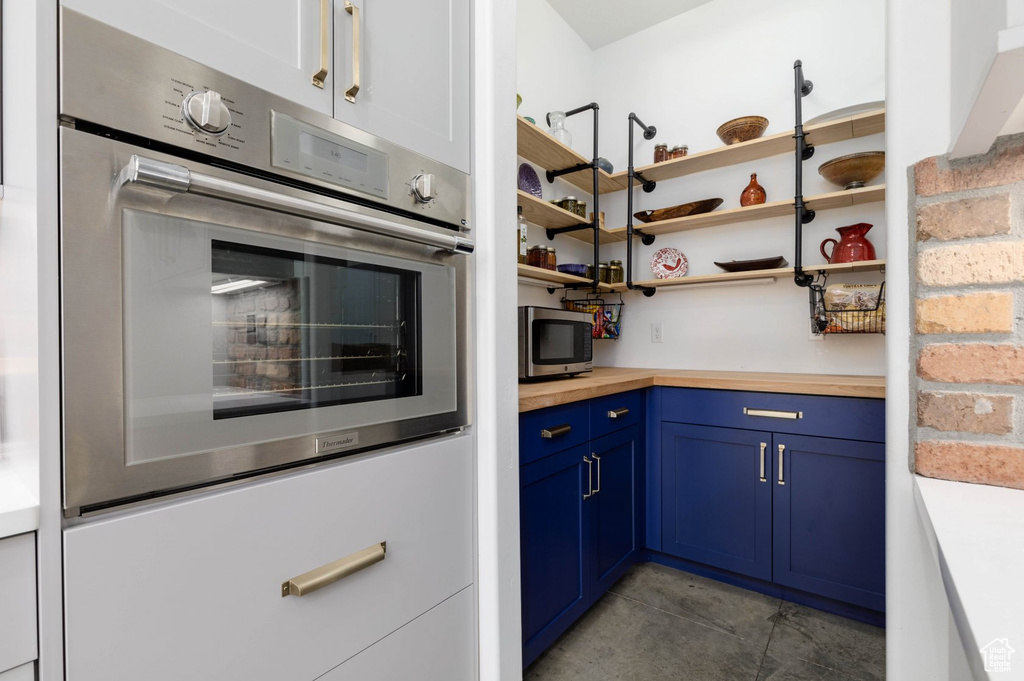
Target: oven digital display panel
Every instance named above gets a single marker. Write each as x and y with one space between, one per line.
325 156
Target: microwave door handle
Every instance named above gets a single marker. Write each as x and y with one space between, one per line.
178 178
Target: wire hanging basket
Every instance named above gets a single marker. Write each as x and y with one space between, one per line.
848 308
607 315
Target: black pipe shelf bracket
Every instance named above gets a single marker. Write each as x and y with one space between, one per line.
804 151
595 223
648 186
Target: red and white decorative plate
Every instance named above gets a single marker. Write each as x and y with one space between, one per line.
669 263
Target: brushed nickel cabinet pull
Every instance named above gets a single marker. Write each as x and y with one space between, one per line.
618 413
773 414
557 431
598 460
328 574
782 450
764 446
350 94
325 17
590 478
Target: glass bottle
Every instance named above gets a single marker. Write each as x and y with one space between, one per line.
522 236
556 119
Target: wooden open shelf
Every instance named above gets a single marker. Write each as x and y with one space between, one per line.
861 125
840 199
546 214
537 146
843 268
556 278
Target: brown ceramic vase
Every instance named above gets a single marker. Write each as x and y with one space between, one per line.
753 194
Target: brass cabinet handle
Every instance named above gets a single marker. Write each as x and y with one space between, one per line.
598 460
557 431
773 414
350 94
618 413
764 446
590 478
325 17
332 572
782 450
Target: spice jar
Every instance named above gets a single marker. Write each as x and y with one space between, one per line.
679 151
660 153
615 272
603 275
551 262
569 204
537 256
590 271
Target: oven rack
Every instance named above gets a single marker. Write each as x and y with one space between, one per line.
308 325
306 359
354 384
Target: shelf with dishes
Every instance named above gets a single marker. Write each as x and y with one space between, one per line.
830 200
548 215
537 146
827 132
556 278
724 277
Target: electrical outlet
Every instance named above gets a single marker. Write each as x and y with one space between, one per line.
656 333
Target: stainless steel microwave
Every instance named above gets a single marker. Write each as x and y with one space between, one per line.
554 342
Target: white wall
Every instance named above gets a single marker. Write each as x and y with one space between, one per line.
918 92
687 76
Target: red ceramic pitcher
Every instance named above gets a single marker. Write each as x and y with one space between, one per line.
852 245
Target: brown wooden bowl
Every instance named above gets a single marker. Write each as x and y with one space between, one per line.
742 129
680 211
853 170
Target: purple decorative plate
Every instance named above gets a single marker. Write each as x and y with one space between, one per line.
529 182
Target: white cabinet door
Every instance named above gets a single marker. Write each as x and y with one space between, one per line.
413 73
439 645
193 589
273 44
17 600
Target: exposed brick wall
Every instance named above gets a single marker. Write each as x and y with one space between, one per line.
968 341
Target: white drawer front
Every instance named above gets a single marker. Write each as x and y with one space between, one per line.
437 646
17 600
193 590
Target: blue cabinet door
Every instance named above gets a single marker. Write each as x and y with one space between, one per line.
615 506
829 517
553 526
716 509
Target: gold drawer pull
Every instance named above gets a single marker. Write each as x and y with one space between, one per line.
353 90
772 414
618 413
557 431
332 572
325 17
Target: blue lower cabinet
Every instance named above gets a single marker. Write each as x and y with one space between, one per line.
615 506
829 517
716 503
554 525
579 521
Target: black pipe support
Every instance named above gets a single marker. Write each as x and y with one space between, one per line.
649 132
804 151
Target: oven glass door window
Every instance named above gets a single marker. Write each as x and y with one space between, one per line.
299 331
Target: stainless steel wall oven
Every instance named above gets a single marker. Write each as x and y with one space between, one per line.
246 285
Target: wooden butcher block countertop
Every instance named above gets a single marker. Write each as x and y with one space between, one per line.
608 380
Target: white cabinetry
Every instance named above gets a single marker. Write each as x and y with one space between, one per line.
273 44
18 643
192 589
413 73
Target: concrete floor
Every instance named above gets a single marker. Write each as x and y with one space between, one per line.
658 623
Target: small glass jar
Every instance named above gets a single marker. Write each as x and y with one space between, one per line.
568 204
537 256
603 273
660 153
615 272
551 262
679 151
556 119
590 271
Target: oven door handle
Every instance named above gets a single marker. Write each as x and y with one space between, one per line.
178 178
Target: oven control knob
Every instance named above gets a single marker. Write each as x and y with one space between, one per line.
205 112
423 188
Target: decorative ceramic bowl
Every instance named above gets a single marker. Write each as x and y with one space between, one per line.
575 269
605 165
669 263
751 265
529 182
853 170
680 211
742 129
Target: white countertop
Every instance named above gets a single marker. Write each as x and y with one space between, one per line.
19 507
979 533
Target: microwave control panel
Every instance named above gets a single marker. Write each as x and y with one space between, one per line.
325 156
